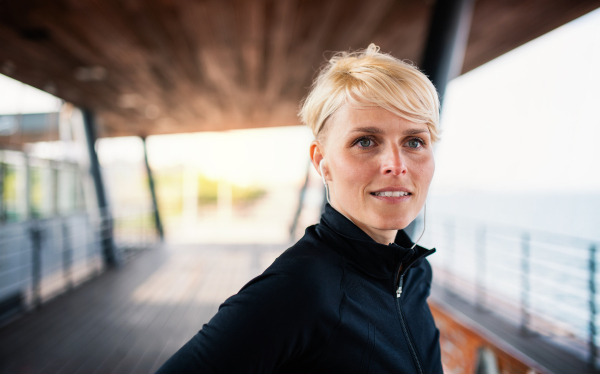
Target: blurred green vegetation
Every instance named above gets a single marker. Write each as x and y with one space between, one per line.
137 221
37 192
209 190
10 195
169 185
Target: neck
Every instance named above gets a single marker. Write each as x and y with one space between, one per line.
380 236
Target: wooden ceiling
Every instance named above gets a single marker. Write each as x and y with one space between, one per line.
170 66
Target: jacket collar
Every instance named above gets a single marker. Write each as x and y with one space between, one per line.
375 259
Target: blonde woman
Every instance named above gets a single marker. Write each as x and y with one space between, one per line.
349 296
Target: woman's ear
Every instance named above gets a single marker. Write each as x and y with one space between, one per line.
316 155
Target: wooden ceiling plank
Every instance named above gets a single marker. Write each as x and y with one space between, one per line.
71 41
313 43
521 21
221 60
208 100
192 16
51 70
74 43
123 60
182 45
252 41
164 84
163 81
170 41
209 64
366 19
403 31
279 40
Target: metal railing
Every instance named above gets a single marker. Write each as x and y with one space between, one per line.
543 282
42 258
53 238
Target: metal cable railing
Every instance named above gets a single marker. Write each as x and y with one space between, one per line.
50 238
42 258
545 283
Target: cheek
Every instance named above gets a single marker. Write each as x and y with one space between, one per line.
430 170
352 175
424 171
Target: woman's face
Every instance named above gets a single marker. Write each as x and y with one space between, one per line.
378 167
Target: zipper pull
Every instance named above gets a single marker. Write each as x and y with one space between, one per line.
399 290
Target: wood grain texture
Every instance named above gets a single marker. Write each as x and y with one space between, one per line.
170 66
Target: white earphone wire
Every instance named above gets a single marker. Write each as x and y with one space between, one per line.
324 182
424 225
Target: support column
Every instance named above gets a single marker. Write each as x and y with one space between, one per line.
445 50
593 348
106 223
447 41
157 222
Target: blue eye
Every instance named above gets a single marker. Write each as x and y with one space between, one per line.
365 143
414 143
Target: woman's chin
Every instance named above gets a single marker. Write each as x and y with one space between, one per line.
391 223
392 219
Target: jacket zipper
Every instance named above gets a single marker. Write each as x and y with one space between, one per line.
399 290
403 323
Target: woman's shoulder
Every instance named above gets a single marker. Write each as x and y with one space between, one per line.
308 270
310 251
310 259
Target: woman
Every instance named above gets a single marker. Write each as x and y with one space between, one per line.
350 296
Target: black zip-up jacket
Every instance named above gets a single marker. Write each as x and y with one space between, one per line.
329 304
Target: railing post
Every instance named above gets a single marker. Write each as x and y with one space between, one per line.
450 249
525 291
2 176
480 271
35 234
592 289
67 255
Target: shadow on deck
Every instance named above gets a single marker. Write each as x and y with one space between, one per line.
132 319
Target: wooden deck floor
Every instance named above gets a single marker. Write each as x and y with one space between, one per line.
130 320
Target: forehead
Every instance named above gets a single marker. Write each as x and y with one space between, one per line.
350 119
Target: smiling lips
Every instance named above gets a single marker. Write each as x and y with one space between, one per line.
390 193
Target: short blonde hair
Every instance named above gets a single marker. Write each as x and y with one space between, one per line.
371 78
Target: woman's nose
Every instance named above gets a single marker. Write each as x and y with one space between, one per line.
394 163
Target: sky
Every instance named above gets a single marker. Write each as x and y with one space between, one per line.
16 97
526 121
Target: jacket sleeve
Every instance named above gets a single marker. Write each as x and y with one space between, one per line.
269 323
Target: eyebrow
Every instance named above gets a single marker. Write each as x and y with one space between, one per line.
377 130
416 131
369 130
